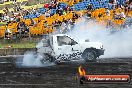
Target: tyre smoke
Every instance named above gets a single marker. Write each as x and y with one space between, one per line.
33 59
117 42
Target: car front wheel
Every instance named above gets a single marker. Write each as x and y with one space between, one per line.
89 55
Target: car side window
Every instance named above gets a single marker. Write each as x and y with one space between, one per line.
65 40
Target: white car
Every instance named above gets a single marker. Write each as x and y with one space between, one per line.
62 47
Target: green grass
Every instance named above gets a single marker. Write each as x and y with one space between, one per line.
19 45
2 23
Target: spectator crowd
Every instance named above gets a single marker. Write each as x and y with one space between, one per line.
61 15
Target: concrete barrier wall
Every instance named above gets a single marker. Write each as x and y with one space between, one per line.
15 51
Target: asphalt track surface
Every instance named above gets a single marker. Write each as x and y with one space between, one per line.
63 75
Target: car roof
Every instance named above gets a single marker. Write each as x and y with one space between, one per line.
61 35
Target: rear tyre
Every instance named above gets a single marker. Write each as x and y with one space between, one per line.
89 55
47 58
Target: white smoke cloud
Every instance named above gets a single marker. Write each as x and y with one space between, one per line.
116 43
33 59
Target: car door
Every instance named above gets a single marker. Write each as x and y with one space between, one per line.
67 47
76 50
64 47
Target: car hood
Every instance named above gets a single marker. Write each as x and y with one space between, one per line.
96 45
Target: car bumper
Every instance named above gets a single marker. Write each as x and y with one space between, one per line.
100 52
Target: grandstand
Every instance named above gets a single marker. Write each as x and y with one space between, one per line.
38 20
